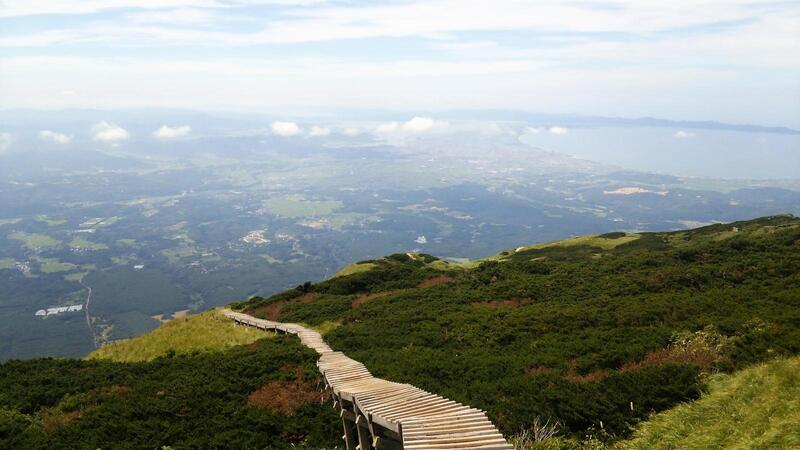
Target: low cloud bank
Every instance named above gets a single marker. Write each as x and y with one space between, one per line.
414 126
285 128
54 137
167 132
319 131
109 132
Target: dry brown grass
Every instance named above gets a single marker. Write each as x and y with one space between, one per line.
273 310
73 407
597 375
435 281
364 298
53 419
285 396
512 303
533 371
705 359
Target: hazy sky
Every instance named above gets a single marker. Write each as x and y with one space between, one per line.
727 60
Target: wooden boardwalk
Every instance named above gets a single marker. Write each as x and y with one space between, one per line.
380 414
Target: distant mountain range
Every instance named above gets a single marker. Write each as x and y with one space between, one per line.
596 121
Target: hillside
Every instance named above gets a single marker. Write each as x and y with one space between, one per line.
758 407
602 335
190 387
596 333
209 331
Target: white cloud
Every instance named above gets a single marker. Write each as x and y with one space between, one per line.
351 131
285 128
167 132
388 127
684 135
109 132
560 131
178 16
55 137
416 125
422 124
317 130
5 141
24 8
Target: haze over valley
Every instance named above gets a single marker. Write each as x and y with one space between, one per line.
163 220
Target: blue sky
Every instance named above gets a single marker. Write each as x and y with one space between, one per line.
726 60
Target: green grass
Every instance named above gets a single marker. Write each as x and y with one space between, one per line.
7 263
174 255
755 408
601 242
591 241
353 268
327 326
296 206
53 265
34 241
128 242
75 276
50 222
209 331
9 221
339 221
271 260
80 243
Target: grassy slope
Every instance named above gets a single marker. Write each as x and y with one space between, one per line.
756 408
209 331
579 329
353 268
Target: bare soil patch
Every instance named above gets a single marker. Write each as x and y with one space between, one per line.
363 298
435 281
285 396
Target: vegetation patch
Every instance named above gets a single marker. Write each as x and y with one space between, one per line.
758 407
354 268
78 276
50 221
81 243
9 221
364 298
297 206
209 331
513 303
605 241
435 281
286 396
601 344
34 241
53 265
197 400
